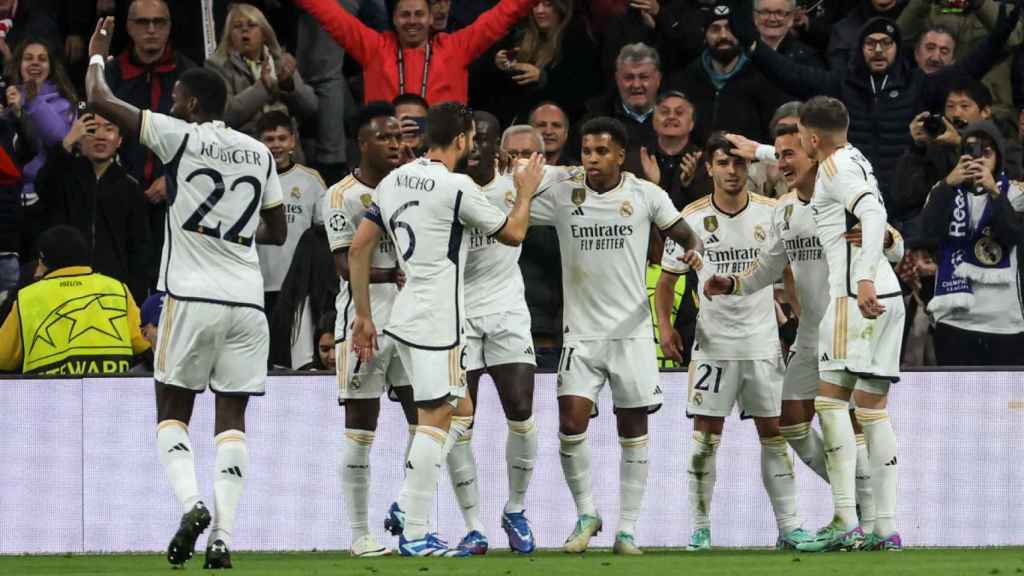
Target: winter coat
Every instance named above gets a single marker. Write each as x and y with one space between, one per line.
845 41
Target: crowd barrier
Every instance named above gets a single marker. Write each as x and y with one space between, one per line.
79 470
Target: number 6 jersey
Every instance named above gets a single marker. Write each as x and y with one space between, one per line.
218 179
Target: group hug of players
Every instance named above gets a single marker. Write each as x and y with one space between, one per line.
431 298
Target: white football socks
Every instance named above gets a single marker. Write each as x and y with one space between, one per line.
840 456
232 469
408 442
422 470
779 482
701 473
462 472
355 479
458 427
575 457
806 442
520 455
881 441
632 481
865 497
176 455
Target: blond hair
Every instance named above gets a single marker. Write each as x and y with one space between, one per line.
253 13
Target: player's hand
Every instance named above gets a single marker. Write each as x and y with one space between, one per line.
867 300
364 338
742 146
693 259
652 171
688 167
525 73
672 346
960 172
527 177
157 191
399 277
718 285
855 236
99 44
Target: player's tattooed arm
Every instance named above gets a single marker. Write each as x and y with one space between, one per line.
273 228
685 237
360 254
377 275
101 99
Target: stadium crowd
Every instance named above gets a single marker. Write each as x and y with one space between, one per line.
914 75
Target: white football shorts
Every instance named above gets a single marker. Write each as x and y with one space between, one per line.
498 339
801 379
716 385
358 380
434 374
629 366
869 349
200 343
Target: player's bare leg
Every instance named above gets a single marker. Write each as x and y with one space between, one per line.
633 467
795 427
707 435
573 420
360 428
865 496
780 483
873 416
174 412
232 468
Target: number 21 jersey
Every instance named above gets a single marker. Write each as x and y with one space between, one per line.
218 179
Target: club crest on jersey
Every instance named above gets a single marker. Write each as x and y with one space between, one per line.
711 223
579 195
759 233
787 213
366 200
626 210
988 251
296 193
698 399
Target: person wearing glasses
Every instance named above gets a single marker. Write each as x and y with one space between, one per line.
774 20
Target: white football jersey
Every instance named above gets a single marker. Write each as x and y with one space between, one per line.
303 191
493 280
603 241
424 208
218 180
344 207
845 179
730 327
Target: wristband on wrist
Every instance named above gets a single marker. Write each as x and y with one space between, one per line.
98 59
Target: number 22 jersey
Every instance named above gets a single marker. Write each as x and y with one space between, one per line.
218 179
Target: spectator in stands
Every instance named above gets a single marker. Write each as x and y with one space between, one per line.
307 294
440 10
674 161
935 50
733 94
20 21
540 260
969 22
411 111
774 21
637 83
303 192
72 320
40 108
324 359
553 125
412 58
813 21
970 219
880 89
152 308
10 214
845 42
82 185
553 59
259 74
936 152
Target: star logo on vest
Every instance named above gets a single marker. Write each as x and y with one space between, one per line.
95 313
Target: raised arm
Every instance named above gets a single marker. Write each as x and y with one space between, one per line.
801 81
490 27
102 100
356 38
979 61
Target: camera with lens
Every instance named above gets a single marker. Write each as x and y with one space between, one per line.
934 125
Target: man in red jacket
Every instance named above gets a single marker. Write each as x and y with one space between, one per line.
410 58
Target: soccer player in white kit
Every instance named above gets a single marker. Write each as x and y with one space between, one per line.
212 330
736 352
793 242
361 384
603 221
424 208
861 331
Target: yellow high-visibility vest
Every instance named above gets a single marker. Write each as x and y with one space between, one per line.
76 324
653 273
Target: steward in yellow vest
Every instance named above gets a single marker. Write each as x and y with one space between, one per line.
72 321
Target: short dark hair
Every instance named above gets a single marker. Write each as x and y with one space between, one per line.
716 142
208 88
485 116
63 246
787 110
375 109
973 89
445 121
786 130
606 125
937 29
825 113
273 120
410 98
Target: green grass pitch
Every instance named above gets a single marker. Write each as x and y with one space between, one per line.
911 562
